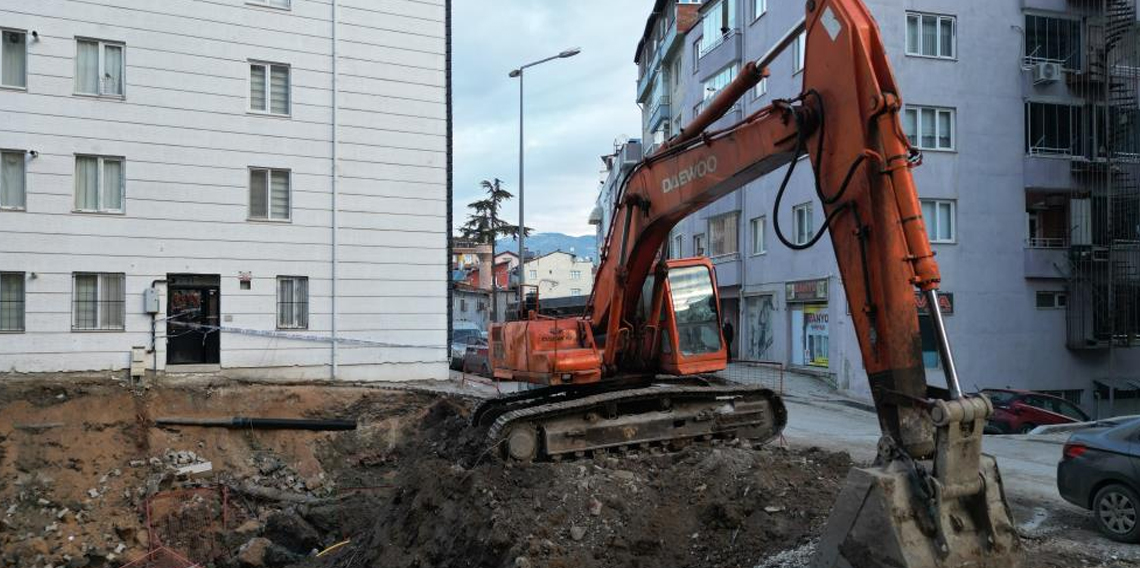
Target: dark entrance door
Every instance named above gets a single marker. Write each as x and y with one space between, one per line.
192 308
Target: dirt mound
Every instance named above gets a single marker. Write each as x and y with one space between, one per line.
455 505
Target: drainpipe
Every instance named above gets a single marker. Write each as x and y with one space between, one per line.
335 175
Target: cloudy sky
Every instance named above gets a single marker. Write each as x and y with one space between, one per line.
574 107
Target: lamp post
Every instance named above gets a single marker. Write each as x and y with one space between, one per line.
522 226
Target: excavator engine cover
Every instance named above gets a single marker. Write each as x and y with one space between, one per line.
947 513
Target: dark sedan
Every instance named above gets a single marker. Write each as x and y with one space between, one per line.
1100 471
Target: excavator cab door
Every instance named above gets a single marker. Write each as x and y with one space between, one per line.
690 322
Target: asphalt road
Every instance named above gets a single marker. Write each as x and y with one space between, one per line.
1027 463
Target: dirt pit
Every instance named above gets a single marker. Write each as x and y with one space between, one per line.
86 479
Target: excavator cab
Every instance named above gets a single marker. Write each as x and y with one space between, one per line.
688 335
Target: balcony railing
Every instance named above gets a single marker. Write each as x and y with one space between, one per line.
1047 242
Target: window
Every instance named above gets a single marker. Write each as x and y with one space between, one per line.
11 301
1053 39
271 3
939 215
1052 300
714 85
800 53
718 22
1052 129
803 224
12 180
723 235
99 68
575 274
13 59
99 301
759 7
678 246
293 302
269 197
930 128
99 182
269 88
929 35
758 226
462 305
698 245
575 291
532 275
760 89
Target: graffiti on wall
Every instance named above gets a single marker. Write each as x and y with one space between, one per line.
761 324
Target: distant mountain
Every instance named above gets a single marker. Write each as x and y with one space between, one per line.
543 243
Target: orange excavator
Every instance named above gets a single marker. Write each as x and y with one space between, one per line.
632 370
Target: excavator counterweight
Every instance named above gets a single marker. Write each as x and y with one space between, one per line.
631 370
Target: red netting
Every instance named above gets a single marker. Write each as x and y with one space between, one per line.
161 558
188 522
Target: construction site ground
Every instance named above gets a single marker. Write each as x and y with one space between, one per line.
88 479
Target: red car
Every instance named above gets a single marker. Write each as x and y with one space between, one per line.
1018 412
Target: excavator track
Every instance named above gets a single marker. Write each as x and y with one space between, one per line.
654 414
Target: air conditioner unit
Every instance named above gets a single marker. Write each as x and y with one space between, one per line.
1046 72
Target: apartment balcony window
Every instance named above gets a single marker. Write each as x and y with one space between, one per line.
13 59
930 128
1048 222
1052 129
99 68
940 217
719 21
1052 39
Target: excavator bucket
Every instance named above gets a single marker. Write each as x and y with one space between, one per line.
949 513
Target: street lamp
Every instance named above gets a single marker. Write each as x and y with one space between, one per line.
522 226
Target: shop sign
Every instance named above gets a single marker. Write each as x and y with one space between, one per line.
807 291
945 303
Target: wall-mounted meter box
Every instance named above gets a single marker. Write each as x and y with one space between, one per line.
150 300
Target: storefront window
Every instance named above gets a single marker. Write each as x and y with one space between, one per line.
694 303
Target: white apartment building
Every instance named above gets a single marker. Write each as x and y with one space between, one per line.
559 275
255 187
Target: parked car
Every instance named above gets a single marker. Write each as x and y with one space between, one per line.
477 360
1100 471
1019 412
462 334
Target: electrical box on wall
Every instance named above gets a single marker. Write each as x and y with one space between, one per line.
151 301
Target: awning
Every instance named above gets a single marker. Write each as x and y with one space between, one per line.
1120 383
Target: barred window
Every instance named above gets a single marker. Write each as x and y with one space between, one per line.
11 301
99 301
292 302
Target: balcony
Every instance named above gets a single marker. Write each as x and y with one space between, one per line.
1047 258
658 112
714 58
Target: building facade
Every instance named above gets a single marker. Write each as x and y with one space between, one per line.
258 187
1026 115
559 275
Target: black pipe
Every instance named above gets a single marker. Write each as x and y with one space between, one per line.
260 423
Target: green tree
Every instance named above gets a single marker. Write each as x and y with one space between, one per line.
483 224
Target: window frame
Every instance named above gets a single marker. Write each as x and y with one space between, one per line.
266 4
1078 137
761 89
679 244
702 249
99 314
735 242
932 230
22 317
1060 300
293 325
575 274
758 226
100 194
917 141
575 292
797 225
102 44
727 16
269 65
268 195
938 29
23 155
759 8
799 54
26 53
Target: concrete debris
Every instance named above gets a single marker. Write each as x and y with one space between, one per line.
196 468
